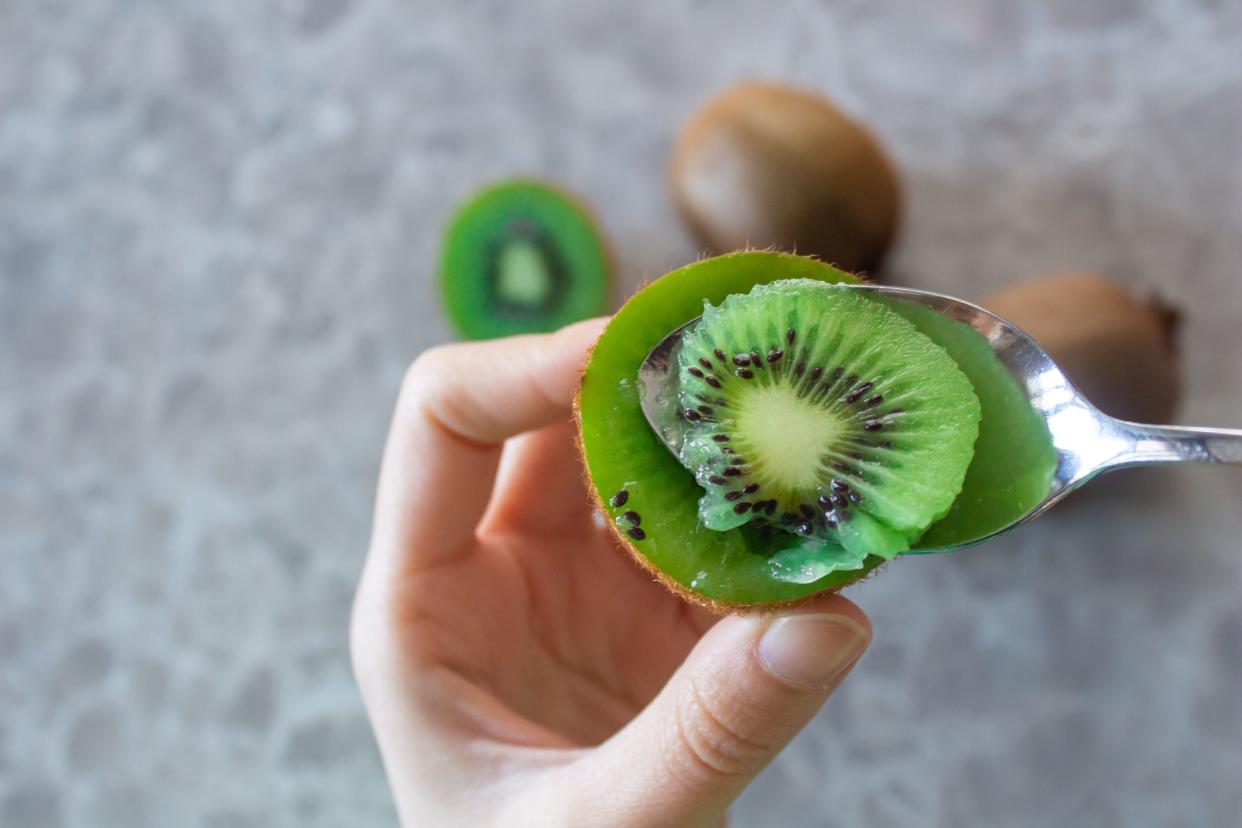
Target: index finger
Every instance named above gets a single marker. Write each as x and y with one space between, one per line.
458 404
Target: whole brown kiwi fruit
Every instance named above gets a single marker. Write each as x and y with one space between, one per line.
767 166
1119 349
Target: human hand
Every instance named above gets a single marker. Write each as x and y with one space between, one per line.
518 668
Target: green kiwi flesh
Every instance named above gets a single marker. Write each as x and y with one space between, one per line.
820 412
522 257
634 474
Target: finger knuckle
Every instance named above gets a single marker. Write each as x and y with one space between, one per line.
432 387
422 373
711 743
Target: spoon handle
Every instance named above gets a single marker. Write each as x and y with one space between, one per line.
1153 444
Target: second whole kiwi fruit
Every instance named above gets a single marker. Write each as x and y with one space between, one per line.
1118 348
769 166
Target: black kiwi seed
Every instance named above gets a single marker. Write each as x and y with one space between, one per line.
874 401
745 373
857 394
741 508
633 517
742 359
721 438
825 501
756 359
732 495
717 480
873 425
816 374
692 415
732 471
790 335
710 380
694 372
636 533
752 488
831 520
838 486
775 354
854 497
738 461
720 355
800 369
896 411
706 409
840 502
805 528
771 507
706 363
727 450
619 499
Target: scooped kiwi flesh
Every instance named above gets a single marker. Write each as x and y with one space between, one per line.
819 413
909 470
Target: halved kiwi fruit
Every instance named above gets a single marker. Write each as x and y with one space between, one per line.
522 257
893 465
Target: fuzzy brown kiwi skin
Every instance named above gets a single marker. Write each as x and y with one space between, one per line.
768 165
681 590
1119 349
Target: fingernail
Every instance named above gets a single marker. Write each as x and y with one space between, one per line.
811 650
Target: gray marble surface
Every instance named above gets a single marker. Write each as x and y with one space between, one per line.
218 224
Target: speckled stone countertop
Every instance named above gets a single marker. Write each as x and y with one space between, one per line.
218 226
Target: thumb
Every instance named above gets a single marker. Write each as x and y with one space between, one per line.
746 689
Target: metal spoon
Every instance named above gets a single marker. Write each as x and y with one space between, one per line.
1087 441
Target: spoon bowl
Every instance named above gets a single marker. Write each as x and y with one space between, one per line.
1087 441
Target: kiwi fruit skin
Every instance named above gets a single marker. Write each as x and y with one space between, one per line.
572 251
1118 348
768 166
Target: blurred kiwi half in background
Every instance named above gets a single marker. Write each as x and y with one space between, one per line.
522 256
